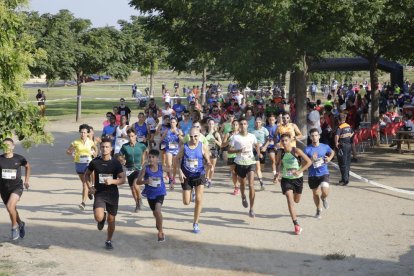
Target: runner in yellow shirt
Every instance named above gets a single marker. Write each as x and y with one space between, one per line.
82 150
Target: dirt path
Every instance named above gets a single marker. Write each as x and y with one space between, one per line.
369 226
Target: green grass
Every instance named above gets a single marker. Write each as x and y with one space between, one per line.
7 267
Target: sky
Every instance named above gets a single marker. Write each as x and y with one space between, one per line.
100 12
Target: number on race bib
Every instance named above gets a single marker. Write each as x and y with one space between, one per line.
155 182
192 163
103 176
141 138
318 162
8 173
173 145
84 159
129 172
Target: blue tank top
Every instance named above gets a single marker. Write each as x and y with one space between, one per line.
157 187
141 131
192 162
173 142
273 138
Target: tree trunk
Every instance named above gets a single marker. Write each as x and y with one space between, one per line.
373 74
203 87
300 96
152 80
79 96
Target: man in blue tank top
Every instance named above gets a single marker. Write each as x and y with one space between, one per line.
153 178
190 157
320 154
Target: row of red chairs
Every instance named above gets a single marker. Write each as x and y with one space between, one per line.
391 130
365 136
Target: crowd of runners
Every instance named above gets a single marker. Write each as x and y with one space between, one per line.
182 143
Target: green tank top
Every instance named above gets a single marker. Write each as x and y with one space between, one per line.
290 162
231 155
227 128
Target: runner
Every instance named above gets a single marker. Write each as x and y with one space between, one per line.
108 175
262 137
173 137
121 136
242 144
290 128
153 178
321 155
289 166
109 130
343 141
227 140
214 141
152 123
273 142
124 110
132 155
190 157
186 123
142 129
11 185
81 151
41 101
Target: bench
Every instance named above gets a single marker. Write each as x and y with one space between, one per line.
406 140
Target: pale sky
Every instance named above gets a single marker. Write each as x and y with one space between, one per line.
100 12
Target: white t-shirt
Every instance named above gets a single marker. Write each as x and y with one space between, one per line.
246 143
315 119
118 140
239 98
168 112
150 121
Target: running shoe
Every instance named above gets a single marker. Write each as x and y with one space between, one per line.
208 183
15 233
90 196
236 191
192 195
108 245
262 187
318 214
355 160
82 206
343 183
162 238
171 182
22 231
101 223
196 229
138 205
325 203
298 229
244 202
252 214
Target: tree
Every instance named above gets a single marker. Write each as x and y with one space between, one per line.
17 116
252 40
147 51
75 50
380 28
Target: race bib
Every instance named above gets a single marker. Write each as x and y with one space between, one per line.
121 141
173 145
84 159
154 182
103 176
128 172
289 172
192 163
153 127
141 138
247 154
8 173
318 162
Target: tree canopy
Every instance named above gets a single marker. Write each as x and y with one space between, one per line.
17 115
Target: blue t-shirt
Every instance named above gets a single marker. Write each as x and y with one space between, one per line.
273 138
157 187
179 109
109 130
141 131
317 156
185 127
